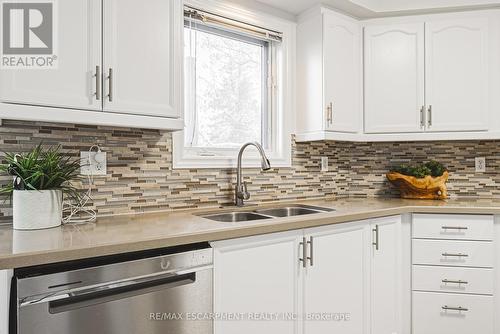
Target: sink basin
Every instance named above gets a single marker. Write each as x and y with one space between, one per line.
233 217
269 213
288 211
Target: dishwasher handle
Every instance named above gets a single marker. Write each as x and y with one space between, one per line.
112 292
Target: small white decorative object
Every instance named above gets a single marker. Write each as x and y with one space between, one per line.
37 209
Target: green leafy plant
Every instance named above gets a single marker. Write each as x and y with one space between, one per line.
432 168
42 169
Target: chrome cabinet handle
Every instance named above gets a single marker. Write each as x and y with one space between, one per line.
446 281
422 120
98 82
376 242
311 251
454 228
452 308
429 117
110 85
454 255
329 113
304 252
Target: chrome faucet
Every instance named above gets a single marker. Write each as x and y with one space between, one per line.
241 191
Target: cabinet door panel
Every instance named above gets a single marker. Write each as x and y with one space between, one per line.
342 81
386 283
336 282
142 47
394 78
257 275
457 74
72 84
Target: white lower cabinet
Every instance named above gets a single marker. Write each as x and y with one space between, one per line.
454 280
335 282
5 278
334 278
446 313
461 253
388 268
256 276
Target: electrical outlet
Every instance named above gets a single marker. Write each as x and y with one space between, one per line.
480 165
324 164
93 163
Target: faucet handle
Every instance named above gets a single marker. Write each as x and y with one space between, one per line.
246 194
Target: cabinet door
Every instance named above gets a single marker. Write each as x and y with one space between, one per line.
72 84
386 276
5 279
394 78
341 72
335 283
457 75
254 276
142 57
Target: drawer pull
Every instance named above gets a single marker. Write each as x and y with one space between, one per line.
376 243
451 308
459 228
446 281
304 252
454 255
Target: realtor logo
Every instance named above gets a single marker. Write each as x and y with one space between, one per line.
28 34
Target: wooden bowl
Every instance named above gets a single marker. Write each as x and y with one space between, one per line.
425 188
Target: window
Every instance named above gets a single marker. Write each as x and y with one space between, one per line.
226 89
231 91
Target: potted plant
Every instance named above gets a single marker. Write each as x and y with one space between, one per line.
424 181
42 178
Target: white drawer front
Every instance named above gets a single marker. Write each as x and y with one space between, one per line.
453 253
462 227
429 317
453 279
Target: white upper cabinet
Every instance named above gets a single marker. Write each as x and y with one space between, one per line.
394 78
429 77
141 44
457 74
434 75
73 83
119 64
329 60
341 73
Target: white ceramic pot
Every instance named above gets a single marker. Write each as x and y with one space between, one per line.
34 209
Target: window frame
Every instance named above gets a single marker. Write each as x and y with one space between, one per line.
280 98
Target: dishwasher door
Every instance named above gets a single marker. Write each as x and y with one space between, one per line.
172 301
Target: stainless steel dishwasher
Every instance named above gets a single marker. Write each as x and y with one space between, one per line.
167 294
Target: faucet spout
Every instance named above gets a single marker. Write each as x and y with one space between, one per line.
241 193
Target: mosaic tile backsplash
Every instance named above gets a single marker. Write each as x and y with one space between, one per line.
141 178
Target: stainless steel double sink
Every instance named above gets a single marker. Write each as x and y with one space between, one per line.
267 213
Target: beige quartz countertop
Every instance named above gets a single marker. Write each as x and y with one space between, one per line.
119 234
